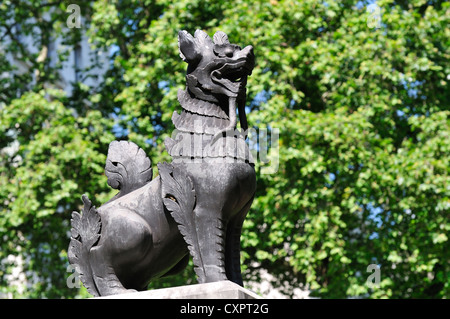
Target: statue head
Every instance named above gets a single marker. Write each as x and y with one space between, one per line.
217 69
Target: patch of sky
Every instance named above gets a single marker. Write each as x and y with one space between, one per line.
113 50
412 86
331 179
374 235
332 176
361 4
164 86
118 130
375 214
260 98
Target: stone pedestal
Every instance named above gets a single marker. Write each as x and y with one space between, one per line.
214 290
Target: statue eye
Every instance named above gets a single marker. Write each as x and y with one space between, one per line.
229 52
224 50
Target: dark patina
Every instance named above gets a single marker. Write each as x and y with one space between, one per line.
198 202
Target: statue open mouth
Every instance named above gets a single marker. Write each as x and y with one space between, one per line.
232 77
234 72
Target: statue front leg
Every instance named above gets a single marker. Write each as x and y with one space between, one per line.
233 245
199 221
209 258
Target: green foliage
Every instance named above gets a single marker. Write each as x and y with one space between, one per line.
363 151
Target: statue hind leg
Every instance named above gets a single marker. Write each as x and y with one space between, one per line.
112 257
104 274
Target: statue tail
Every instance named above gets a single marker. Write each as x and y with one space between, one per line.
127 167
85 234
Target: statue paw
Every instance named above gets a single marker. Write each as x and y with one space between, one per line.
119 291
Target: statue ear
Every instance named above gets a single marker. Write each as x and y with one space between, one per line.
221 38
188 50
